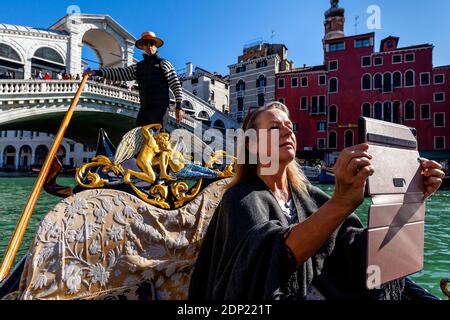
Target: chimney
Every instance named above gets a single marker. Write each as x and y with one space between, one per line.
189 69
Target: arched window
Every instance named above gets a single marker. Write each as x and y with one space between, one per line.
332 140
387 111
409 78
48 54
187 105
261 82
366 110
25 157
387 82
348 139
240 86
378 81
366 82
47 60
332 114
11 66
410 113
9 53
378 113
397 79
40 155
333 86
9 158
203 115
396 112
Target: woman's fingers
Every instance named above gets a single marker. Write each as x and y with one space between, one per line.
430 164
356 164
434 173
349 153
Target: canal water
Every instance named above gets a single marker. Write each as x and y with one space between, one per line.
15 191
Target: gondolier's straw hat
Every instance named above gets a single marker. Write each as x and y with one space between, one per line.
149 35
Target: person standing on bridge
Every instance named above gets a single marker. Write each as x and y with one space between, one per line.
154 77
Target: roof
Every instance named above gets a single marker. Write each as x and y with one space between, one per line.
425 45
304 69
13 27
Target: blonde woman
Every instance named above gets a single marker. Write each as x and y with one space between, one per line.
278 237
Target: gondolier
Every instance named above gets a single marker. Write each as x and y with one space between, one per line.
155 76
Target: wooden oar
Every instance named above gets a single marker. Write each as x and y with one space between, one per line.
21 227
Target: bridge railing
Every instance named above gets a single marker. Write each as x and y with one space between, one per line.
12 88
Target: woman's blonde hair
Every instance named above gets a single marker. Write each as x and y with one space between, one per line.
246 171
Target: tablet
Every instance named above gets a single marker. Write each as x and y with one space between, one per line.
395 242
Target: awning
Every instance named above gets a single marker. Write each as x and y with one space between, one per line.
436 154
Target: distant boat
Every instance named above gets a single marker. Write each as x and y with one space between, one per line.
312 173
326 176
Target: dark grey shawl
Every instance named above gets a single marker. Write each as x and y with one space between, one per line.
244 255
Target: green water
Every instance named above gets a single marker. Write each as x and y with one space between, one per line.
15 191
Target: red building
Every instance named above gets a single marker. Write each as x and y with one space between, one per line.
396 84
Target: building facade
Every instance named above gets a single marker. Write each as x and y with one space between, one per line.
22 150
210 87
395 84
252 79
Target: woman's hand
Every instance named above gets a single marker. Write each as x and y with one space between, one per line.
351 171
432 176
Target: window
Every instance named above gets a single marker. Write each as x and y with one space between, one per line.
48 54
366 82
397 79
439 79
378 111
194 92
397 58
295 126
332 140
366 61
314 105
362 43
439 97
338 46
304 81
387 111
240 86
281 100
321 126
439 142
321 143
240 104
332 117
396 115
366 112
261 81
387 82
409 110
260 100
322 80
9 53
304 103
425 79
409 57
409 78
261 64
281 83
333 87
294 82
348 140
378 61
322 105
378 81
425 112
439 120
241 69
71 147
333 65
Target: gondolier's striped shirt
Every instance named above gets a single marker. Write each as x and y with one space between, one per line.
129 74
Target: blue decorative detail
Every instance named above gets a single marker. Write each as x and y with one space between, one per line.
193 171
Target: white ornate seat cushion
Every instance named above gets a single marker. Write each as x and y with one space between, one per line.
100 240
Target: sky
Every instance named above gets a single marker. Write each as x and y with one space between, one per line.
212 33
